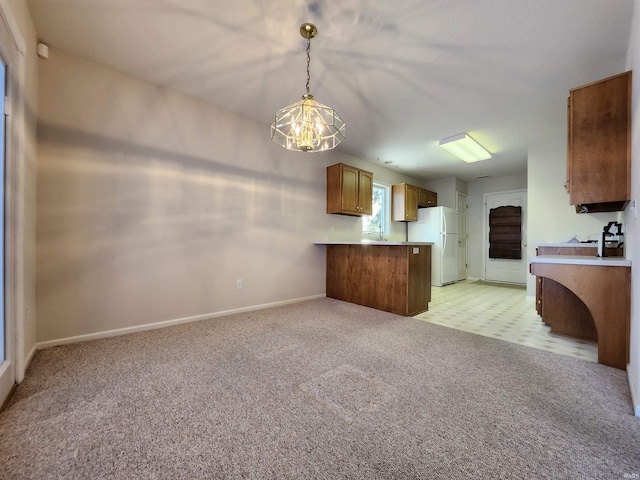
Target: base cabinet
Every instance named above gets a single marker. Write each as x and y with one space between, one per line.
393 278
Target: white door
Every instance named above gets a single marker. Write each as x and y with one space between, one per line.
497 269
462 235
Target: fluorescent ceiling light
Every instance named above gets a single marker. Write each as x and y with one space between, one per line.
465 147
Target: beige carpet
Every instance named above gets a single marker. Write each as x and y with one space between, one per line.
323 389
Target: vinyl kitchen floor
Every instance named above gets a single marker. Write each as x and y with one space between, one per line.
501 312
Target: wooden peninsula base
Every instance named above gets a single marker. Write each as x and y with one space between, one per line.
604 286
394 277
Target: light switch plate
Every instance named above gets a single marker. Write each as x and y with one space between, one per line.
416 250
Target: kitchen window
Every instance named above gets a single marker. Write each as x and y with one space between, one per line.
379 220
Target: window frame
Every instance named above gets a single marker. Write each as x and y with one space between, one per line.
385 210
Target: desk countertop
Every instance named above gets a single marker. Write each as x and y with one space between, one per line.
582 260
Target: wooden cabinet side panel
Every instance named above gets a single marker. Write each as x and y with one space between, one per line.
398 195
539 282
419 285
334 189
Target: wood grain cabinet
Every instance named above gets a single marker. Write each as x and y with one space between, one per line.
404 202
558 306
599 145
406 199
393 278
349 190
427 198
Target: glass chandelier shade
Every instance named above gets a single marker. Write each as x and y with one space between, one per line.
307 126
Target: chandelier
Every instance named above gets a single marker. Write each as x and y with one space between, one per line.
307 126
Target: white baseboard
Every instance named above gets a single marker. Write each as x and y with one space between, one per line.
166 323
473 279
633 387
23 368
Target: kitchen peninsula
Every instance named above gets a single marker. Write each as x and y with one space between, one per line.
604 286
390 276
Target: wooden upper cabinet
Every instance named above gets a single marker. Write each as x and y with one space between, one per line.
599 145
404 202
427 198
349 190
406 199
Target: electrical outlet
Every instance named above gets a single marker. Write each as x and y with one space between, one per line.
239 284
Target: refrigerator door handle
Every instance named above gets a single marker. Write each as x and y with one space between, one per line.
444 242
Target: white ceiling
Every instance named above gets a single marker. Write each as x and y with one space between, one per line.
402 74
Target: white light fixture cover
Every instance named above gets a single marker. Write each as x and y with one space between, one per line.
465 147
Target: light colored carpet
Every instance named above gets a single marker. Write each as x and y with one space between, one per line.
322 389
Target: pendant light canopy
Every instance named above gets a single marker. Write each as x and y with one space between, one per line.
308 126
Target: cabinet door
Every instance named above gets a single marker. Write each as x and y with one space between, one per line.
349 189
419 282
365 192
422 197
432 199
404 202
599 143
411 203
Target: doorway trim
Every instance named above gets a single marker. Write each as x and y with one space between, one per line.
14 47
485 226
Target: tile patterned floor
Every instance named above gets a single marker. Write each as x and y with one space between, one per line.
500 312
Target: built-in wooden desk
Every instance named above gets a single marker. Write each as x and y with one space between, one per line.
604 286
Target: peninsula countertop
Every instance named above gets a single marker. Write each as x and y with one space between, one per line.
370 242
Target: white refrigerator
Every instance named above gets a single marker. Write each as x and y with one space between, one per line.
440 226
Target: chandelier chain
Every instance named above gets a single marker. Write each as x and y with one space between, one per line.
308 63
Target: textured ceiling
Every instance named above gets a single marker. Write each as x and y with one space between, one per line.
402 75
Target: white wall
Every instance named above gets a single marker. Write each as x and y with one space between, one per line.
152 204
447 189
475 222
632 223
551 218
